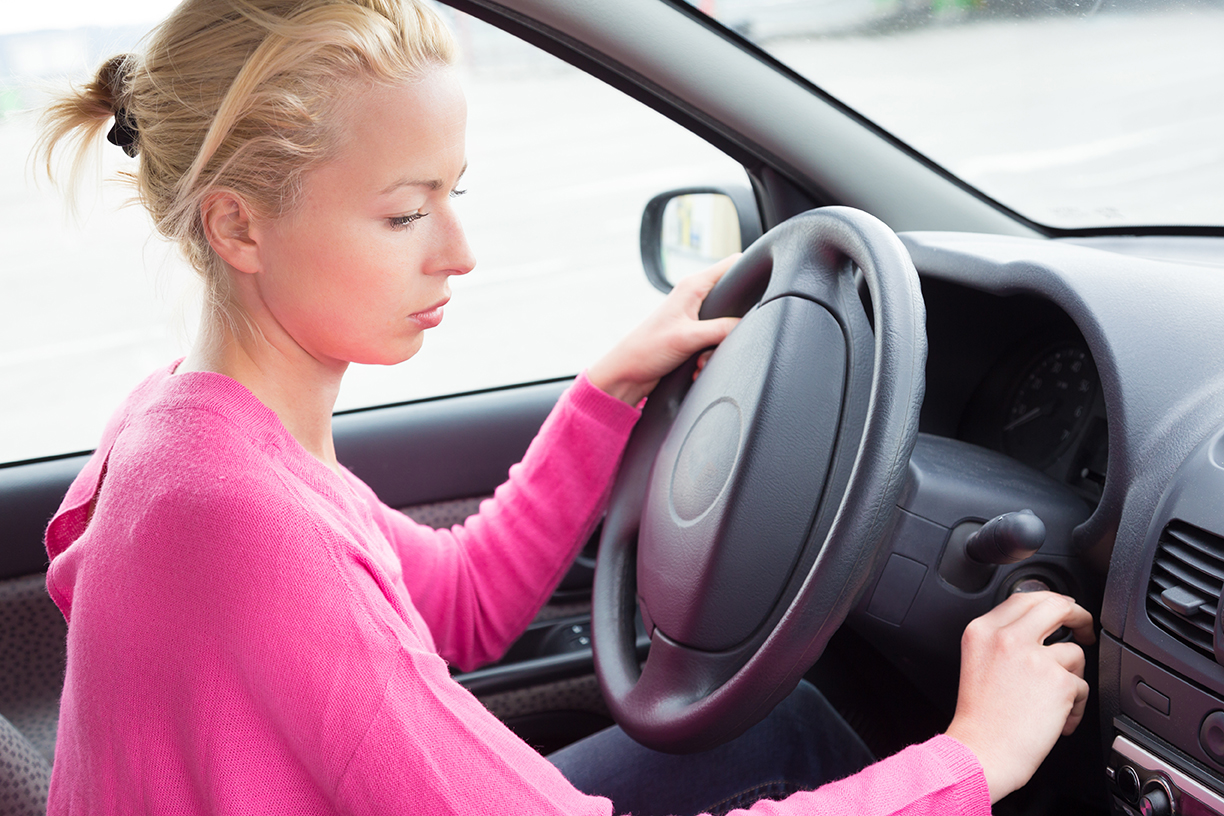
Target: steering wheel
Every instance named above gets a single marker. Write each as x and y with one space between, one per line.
749 507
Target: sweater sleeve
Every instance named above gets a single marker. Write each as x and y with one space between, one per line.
479 584
940 777
430 750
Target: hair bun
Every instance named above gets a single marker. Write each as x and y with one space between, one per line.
111 82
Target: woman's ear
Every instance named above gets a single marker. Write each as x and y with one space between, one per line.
227 225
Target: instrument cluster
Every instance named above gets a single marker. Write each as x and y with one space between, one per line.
1042 404
1014 374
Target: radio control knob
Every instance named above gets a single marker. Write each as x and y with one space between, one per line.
1156 802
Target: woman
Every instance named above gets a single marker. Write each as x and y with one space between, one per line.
250 629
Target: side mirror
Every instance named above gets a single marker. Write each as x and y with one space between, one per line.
685 231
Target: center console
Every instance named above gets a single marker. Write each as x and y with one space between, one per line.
1166 732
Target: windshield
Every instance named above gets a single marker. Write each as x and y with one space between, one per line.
1074 113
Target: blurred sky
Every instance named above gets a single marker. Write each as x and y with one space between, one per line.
79 13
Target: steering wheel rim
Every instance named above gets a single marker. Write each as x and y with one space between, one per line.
703 460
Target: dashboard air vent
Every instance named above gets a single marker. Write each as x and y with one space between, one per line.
1187 577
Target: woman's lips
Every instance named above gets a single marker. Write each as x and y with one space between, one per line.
429 318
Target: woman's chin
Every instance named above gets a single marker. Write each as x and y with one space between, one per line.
401 352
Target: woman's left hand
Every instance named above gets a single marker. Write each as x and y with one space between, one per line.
671 335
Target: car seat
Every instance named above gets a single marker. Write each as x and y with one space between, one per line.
24 774
32 659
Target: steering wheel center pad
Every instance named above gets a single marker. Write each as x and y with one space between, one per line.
738 479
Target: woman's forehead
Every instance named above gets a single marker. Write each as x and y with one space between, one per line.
406 133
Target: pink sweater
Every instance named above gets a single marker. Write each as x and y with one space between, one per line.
251 633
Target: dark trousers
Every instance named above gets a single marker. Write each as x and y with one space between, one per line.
801 745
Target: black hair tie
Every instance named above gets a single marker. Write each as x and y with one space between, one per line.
124 133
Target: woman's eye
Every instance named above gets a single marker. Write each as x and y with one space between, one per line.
402 221
457 193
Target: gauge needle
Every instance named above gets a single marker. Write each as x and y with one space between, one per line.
1040 410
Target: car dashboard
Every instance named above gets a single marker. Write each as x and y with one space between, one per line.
1085 382
1014 374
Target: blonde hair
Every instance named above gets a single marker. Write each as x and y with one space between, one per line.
244 96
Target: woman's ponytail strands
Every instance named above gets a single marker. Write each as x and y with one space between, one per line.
80 115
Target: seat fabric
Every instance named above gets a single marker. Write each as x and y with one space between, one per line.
24 774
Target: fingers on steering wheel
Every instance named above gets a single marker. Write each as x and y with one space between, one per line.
713 274
694 288
701 362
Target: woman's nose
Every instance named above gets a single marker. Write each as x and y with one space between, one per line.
457 257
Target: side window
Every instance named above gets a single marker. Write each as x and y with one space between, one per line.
560 169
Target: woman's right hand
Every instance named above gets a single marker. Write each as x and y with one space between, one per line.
668 337
1017 695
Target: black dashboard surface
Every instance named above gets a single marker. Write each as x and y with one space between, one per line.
1139 321
1014 374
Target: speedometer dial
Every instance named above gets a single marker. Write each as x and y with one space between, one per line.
1050 405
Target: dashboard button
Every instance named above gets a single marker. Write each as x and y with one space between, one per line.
1152 698
1127 780
1211 736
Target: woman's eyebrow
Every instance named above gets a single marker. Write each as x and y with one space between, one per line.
430 184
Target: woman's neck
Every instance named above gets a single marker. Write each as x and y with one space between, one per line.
299 389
